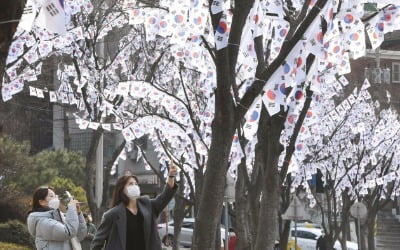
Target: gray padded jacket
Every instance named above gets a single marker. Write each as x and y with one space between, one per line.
51 233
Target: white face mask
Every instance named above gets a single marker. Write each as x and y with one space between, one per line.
54 203
133 192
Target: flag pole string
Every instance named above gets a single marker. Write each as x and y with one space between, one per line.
10 21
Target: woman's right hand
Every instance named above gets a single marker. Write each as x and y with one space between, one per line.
73 202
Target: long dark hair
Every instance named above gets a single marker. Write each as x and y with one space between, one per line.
40 194
118 194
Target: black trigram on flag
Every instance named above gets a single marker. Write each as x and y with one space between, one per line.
28 9
52 9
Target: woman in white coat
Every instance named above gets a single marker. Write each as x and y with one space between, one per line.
51 229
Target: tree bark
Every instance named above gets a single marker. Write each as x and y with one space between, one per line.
179 214
371 232
227 118
223 128
218 239
254 193
362 234
284 236
345 220
243 240
329 242
210 207
198 182
370 224
268 137
254 203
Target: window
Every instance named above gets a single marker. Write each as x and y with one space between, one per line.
396 72
309 235
304 235
187 225
80 142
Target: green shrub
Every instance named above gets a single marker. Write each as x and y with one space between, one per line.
14 231
12 246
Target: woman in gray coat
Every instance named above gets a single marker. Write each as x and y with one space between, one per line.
131 223
53 231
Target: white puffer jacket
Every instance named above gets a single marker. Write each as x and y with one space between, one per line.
51 233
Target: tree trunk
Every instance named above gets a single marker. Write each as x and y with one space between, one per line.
198 182
210 207
179 214
329 242
371 233
284 225
268 216
284 236
227 117
223 128
254 204
345 223
344 231
362 234
370 224
243 240
218 239
254 192
268 136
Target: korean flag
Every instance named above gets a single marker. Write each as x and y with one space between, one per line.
52 16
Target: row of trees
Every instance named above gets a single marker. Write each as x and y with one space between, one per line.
195 77
21 173
365 170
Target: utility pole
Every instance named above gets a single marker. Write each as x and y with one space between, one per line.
99 171
100 149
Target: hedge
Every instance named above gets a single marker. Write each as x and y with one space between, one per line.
16 232
12 246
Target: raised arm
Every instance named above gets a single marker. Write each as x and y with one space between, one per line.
51 229
162 200
82 229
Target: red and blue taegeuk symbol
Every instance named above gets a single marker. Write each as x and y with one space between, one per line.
336 49
299 61
152 20
286 68
380 26
163 24
298 95
254 116
291 119
354 37
283 32
270 94
282 89
320 37
348 18
222 27
197 20
178 18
